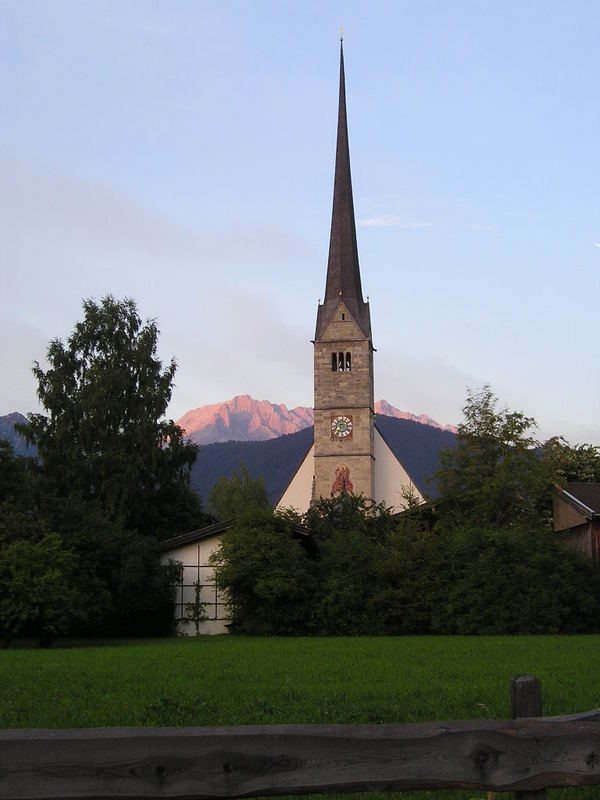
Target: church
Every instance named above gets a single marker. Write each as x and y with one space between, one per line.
348 453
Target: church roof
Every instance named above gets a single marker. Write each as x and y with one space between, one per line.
343 271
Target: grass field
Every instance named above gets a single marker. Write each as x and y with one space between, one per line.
235 680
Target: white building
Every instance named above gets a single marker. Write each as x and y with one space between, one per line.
193 551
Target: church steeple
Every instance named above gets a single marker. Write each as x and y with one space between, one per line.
343 271
344 455
348 452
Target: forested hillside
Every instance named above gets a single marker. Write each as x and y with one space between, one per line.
275 459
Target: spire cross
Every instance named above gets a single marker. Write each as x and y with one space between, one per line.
341 34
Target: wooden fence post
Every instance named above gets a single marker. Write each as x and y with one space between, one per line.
526 701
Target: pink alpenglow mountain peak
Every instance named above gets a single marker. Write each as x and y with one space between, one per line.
244 419
385 409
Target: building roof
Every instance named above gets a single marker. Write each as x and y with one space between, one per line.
195 536
298 531
585 496
343 271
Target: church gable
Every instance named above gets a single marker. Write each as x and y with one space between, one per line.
341 326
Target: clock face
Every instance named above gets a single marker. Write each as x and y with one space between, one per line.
341 427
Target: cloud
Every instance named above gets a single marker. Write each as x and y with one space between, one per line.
61 212
596 244
392 221
242 343
64 239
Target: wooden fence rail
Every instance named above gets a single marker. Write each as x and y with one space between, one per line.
518 755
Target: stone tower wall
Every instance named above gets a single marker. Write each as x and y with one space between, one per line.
350 394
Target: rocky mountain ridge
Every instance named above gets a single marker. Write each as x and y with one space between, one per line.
244 419
241 419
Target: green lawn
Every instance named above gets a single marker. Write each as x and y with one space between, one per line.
237 680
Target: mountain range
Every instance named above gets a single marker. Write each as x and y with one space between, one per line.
416 445
244 419
271 441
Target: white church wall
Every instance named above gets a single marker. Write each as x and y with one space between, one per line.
194 557
299 492
391 479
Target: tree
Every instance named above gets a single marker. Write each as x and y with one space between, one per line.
36 594
20 516
513 580
276 585
104 438
501 568
410 576
352 550
234 497
346 512
142 588
113 477
577 463
16 475
494 475
266 574
347 571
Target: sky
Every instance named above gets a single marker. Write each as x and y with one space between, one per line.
182 154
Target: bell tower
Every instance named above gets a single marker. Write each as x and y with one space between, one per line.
344 457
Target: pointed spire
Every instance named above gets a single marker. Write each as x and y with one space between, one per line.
343 272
